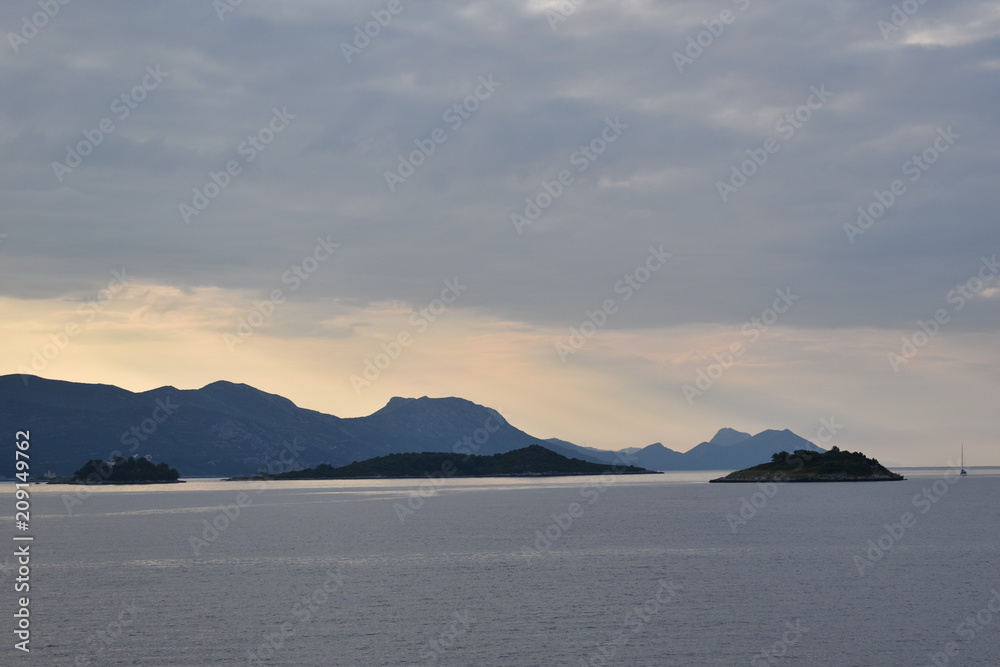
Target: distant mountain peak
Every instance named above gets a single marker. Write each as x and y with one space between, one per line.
226 384
228 428
395 403
727 437
235 389
659 446
427 404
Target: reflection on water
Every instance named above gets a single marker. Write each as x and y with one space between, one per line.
547 570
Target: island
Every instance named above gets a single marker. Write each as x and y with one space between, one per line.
133 470
807 466
533 460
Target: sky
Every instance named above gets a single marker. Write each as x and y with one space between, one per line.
617 223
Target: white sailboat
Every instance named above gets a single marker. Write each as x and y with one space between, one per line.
963 461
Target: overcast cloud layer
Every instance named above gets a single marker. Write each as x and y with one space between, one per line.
739 138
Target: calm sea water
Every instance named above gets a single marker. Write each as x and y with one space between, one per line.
643 570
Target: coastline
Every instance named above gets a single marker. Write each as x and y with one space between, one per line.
806 479
259 478
85 483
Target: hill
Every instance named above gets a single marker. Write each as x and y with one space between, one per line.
226 429
657 457
728 449
121 471
531 460
806 466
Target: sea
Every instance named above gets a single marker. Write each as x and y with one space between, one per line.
578 571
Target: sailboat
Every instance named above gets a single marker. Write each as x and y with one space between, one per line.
963 461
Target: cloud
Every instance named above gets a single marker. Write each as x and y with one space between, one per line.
751 72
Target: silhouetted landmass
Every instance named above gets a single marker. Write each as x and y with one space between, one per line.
226 429
132 470
728 450
531 460
807 466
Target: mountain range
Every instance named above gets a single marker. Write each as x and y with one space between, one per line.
226 429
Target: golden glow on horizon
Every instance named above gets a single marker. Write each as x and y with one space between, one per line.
621 389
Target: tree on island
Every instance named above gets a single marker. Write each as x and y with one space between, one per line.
803 465
132 469
530 460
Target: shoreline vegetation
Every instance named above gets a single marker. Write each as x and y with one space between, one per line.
806 466
133 470
531 461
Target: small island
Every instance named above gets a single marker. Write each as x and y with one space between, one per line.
533 460
133 470
807 466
